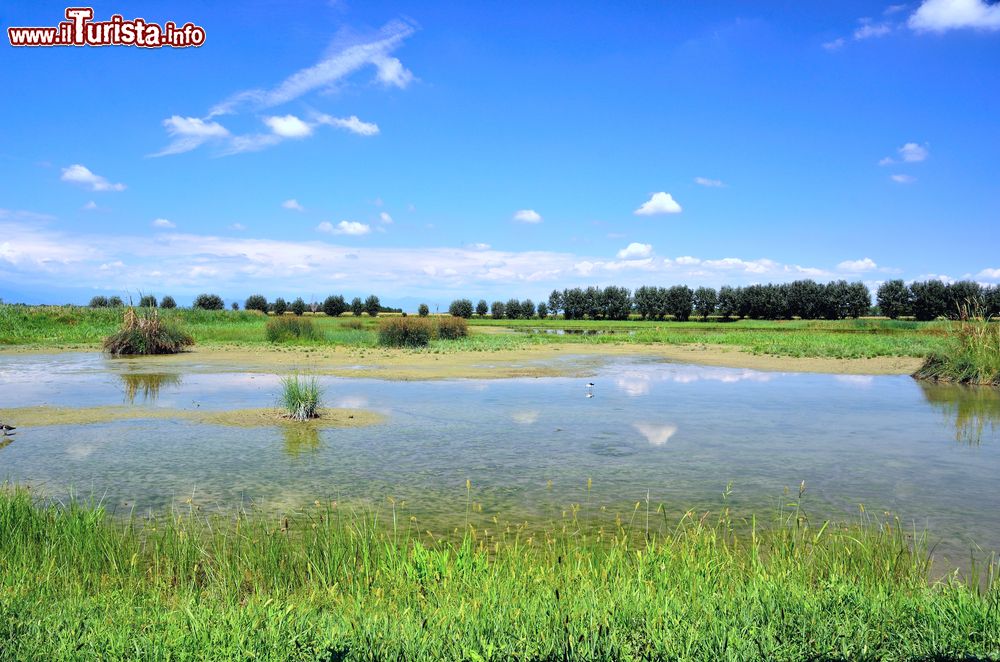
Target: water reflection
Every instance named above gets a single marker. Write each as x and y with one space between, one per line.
973 408
636 383
656 434
146 384
300 439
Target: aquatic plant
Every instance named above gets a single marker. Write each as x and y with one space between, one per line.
145 333
329 582
451 328
300 396
972 356
404 332
283 329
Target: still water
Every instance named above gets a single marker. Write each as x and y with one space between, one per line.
675 432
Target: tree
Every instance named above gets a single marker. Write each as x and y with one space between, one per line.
423 310
930 299
705 301
116 302
804 299
482 308
357 306
497 310
527 309
512 309
256 302
99 302
147 301
858 300
334 306
729 301
298 307
894 299
168 302
543 310
372 305
555 302
209 302
965 298
280 306
460 308
616 303
235 305
680 301
991 299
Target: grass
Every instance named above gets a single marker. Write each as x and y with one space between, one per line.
972 355
51 327
327 584
144 333
404 332
283 329
300 397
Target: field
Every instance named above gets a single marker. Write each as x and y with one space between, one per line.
335 584
75 327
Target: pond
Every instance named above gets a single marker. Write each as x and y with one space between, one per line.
675 432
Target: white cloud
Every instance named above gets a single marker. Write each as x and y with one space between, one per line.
711 183
893 9
78 174
479 246
943 15
687 260
189 133
856 266
352 228
903 179
391 72
163 223
835 44
352 124
238 227
659 203
913 153
288 126
868 30
941 277
385 217
635 251
527 216
989 274
293 205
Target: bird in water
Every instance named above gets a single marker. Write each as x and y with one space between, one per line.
8 430
590 384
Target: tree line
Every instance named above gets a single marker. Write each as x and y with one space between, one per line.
333 305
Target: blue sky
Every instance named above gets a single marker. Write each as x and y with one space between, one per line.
423 151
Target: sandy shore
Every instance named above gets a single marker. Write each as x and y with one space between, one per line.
329 418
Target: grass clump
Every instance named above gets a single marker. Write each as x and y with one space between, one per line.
300 397
404 332
973 356
283 329
452 328
326 583
145 333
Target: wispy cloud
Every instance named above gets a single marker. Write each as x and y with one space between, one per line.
710 183
189 133
659 203
293 205
527 216
352 124
163 224
385 217
903 179
78 174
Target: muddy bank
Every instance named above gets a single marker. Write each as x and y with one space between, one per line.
27 417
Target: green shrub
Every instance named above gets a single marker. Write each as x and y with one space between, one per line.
209 302
482 308
353 324
282 329
234 305
357 306
972 358
280 306
144 334
460 308
116 302
334 306
423 310
404 332
451 328
99 302
168 302
256 302
299 306
148 301
301 397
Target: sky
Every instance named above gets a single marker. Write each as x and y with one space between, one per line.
424 151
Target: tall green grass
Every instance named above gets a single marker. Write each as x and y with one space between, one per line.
300 397
972 356
283 329
328 584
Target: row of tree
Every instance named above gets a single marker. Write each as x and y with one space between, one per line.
930 299
146 301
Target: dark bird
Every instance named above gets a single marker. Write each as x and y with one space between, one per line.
590 384
7 429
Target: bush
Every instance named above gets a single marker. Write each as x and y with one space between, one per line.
168 302
404 332
451 328
301 397
460 308
209 302
372 306
234 305
298 307
280 306
357 306
99 302
116 302
894 299
144 334
282 329
148 301
334 306
256 302
423 310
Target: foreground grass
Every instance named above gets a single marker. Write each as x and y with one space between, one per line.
83 327
77 584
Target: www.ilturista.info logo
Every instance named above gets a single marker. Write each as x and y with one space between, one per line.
79 29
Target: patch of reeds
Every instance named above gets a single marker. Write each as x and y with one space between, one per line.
283 329
972 356
451 328
144 333
300 397
404 332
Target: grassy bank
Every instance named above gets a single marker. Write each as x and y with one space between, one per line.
971 355
62 327
76 584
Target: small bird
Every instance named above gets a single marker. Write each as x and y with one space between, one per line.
8 430
590 384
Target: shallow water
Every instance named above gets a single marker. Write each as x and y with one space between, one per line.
681 432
